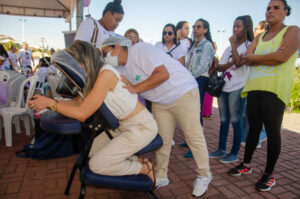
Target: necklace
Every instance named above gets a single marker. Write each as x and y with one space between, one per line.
270 35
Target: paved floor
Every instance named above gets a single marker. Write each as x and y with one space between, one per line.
33 179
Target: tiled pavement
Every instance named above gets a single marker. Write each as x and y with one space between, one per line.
33 179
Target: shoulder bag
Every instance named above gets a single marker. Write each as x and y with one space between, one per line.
215 83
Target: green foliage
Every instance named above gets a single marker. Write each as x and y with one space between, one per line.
295 100
8 45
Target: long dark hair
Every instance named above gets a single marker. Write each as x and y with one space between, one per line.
3 52
174 32
248 25
114 7
180 25
45 61
206 26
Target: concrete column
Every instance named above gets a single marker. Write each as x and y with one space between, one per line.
79 12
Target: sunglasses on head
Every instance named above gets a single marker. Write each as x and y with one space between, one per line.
198 27
169 33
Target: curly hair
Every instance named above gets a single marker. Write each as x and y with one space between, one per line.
134 31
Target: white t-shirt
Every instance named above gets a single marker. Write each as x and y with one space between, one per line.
177 53
143 58
119 101
236 77
52 69
25 57
86 30
42 73
6 64
185 44
13 57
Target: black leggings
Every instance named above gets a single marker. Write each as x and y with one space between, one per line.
264 108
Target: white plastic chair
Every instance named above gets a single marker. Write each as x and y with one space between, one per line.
53 81
13 89
5 75
8 113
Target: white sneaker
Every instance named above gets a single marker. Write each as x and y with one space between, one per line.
258 146
173 142
160 182
200 185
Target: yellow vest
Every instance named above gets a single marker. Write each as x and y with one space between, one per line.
276 79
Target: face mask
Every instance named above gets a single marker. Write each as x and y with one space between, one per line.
112 60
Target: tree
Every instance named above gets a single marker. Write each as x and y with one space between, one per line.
9 44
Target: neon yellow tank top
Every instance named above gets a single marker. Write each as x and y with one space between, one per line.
276 79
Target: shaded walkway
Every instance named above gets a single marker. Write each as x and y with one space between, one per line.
33 179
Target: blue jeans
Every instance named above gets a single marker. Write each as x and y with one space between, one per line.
202 84
231 108
263 134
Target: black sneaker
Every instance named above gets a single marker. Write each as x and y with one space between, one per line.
239 170
265 183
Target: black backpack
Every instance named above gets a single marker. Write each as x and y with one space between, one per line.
45 145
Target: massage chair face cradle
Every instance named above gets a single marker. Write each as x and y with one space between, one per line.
71 86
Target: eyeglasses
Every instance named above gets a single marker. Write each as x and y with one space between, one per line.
198 27
169 33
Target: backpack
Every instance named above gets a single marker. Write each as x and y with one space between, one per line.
45 145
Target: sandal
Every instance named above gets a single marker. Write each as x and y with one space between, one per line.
151 169
143 160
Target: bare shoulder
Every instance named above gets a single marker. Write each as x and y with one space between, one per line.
292 30
292 34
108 78
107 74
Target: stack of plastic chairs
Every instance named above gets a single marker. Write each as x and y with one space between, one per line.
13 82
17 106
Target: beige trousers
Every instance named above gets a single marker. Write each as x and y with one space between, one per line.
115 158
185 110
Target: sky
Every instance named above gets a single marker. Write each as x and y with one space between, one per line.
148 17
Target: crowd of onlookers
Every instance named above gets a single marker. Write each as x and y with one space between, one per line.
24 62
171 80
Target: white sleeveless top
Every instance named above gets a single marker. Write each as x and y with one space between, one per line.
119 101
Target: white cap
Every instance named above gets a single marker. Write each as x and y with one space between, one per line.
111 41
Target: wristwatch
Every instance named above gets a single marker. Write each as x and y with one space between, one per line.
53 106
